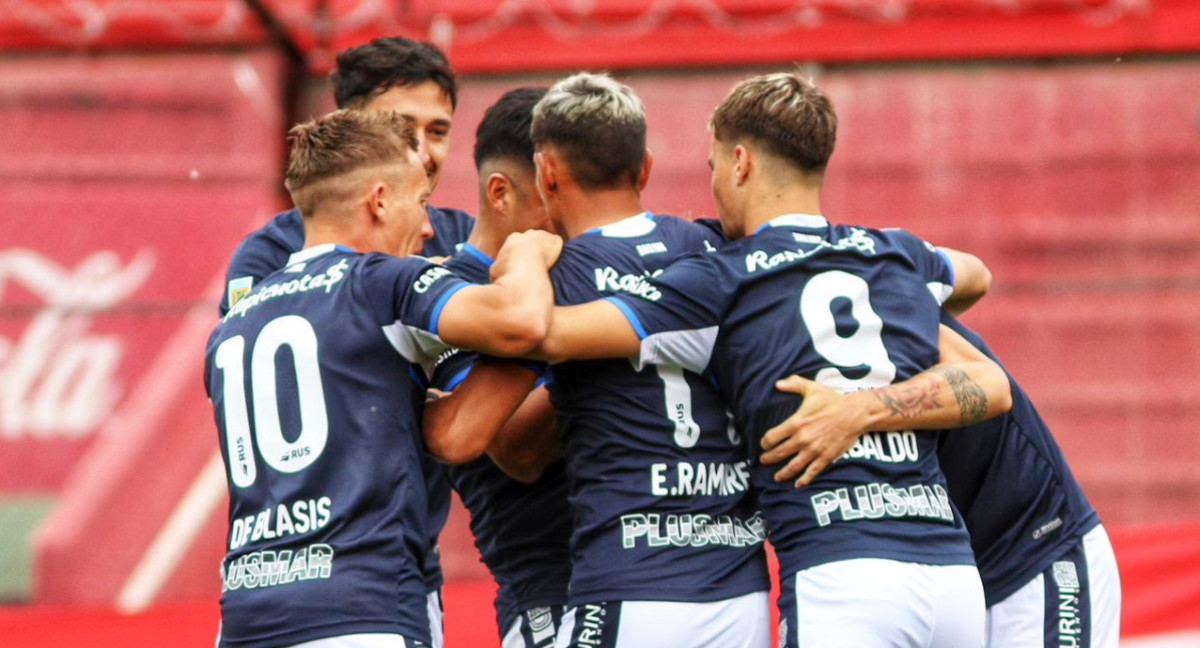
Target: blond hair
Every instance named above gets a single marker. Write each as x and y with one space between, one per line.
327 148
599 127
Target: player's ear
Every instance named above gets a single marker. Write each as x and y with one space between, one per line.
499 191
644 174
547 173
378 199
742 162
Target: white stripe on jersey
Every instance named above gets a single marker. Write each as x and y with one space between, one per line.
691 349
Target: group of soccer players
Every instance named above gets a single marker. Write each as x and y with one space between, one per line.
630 414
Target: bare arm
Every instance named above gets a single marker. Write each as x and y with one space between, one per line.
510 316
588 332
972 280
964 388
528 442
460 426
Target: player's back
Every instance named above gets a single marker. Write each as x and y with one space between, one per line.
521 530
852 309
267 249
1011 482
318 404
658 481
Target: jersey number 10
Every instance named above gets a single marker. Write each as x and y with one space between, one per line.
296 333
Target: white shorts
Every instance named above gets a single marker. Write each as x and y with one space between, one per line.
1076 602
364 640
433 605
882 604
534 628
740 622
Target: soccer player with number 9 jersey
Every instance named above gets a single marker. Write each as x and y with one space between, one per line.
871 553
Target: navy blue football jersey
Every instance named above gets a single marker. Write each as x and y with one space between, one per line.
316 384
658 481
1009 479
267 249
521 530
850 308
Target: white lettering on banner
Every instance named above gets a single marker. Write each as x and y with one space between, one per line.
58 379
690 530
270 568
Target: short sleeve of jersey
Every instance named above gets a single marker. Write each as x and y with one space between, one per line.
931 263
453 365
419 290
678 320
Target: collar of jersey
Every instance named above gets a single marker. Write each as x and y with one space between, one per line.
803 221
316 251
478 254
632 227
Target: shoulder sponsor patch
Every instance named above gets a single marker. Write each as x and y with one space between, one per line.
238 288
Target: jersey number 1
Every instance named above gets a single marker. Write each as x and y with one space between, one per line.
289 457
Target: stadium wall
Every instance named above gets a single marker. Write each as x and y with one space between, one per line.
128 178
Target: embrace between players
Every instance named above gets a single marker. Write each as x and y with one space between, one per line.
630 414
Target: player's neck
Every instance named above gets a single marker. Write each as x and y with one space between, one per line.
585 211
772 204
318 231
489 233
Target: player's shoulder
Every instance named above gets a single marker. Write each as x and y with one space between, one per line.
285 229
451 227
450 219
898 237
470 264
696 233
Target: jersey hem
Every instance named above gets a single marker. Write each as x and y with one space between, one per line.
996 590
677 595
789 566
323 632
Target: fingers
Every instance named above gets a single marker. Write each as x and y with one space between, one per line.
815 468
786 447
794 467
777 435
794 385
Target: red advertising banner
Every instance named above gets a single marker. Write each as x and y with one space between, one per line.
126 182
522 35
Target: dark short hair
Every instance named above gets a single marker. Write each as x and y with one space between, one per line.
504 130
785 113
342 142
599 127
367 70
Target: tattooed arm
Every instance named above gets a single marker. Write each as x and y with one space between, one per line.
964 388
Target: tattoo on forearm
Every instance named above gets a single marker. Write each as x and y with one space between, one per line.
910 401
972 400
